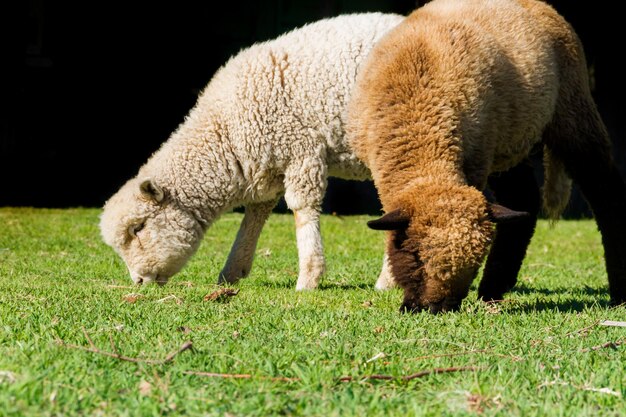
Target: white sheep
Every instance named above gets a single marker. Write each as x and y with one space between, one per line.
270 122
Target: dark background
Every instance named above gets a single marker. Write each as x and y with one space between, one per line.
91 89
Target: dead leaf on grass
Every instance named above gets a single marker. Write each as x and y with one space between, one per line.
8 377
478 403
132 297
145 388
493 308
221 295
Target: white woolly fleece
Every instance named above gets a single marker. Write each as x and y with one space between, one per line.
270 122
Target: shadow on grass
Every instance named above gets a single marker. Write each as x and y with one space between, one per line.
521 288
533 299
565 306
568 299
283 284
346 286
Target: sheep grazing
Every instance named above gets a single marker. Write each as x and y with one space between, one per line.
454 100
270 122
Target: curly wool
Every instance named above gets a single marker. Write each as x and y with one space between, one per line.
461 89
271 121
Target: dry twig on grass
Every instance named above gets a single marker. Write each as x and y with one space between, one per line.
584 330
170 297
239 376
94 349
612 345
412 376
343 378
603 390
514 358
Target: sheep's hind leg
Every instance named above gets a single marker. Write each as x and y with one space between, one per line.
516 189
239 262
582 143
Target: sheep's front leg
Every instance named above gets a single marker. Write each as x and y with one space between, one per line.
385 279
239 262
516 189
310 248
305 185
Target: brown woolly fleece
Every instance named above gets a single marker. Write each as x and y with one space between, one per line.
460 90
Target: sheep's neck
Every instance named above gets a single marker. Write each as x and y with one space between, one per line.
418 159
202 171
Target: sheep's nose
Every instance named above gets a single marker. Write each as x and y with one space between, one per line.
138 280
141 278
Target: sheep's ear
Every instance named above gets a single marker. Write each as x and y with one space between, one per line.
501 214
150 190
394 220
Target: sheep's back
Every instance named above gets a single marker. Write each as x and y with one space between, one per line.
514 65
286 98
480 76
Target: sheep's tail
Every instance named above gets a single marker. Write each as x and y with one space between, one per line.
557 186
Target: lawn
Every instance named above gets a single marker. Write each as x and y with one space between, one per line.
76 338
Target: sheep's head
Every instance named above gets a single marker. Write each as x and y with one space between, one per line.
438 239
152 233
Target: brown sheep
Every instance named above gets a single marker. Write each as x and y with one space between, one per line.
455 99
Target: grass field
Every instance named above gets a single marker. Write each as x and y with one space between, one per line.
76 338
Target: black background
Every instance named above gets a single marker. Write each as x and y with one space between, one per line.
91 89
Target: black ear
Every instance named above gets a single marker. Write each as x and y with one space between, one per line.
150 190
394 220
501 214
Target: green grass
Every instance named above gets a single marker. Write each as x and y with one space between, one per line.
531 354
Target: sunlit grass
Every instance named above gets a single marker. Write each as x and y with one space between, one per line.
539 353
